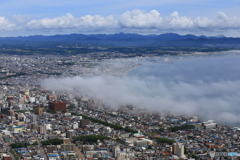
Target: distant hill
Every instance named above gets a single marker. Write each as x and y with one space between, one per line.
123 40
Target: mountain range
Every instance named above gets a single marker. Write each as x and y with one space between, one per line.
123 40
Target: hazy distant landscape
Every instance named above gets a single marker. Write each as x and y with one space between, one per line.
128 44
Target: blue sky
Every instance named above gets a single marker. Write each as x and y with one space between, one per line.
208 17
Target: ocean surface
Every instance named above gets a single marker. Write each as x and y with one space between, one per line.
207 86
207 68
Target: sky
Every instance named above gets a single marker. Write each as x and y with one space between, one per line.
199 17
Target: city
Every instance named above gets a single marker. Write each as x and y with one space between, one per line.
45 124
119 80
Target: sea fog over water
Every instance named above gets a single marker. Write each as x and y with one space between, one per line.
206 68
206 86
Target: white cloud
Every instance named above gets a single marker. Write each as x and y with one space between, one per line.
152 20
174 21
58 22
5 24
70 22
223 21
203 22
140 19
98 21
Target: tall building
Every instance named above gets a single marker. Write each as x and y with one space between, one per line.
174 148
122 155
19 116
178 149
75 125
1 96
57 106
84 122
39 111
70 134
33 118
67 147
51 148
10 101
33 126
116 149
42 129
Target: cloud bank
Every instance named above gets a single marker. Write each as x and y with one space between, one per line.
138 19
215 100
129 21
70 22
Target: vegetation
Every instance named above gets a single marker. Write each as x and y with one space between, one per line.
5 112
74 114
164 140
117 127
53 73
35 143
159 131
183 127
15 75
5 84
55 141
14 153
191 155
71 107
120 141
19 145
89 138
20 111
51 111
66 63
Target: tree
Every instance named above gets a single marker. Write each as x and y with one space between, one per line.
19 145
183 127
164 140
193 156
89 138
51 111
55 141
